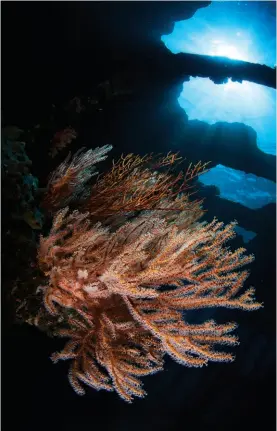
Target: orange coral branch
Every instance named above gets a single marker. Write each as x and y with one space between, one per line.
68 181
120 323
132 186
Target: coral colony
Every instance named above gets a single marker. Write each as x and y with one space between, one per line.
125 257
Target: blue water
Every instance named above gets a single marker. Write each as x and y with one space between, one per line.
238 30
248 103
237 186
247 235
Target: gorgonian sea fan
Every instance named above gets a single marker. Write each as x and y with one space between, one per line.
105 285
68 181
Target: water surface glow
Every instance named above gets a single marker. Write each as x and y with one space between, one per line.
238 30
247 103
